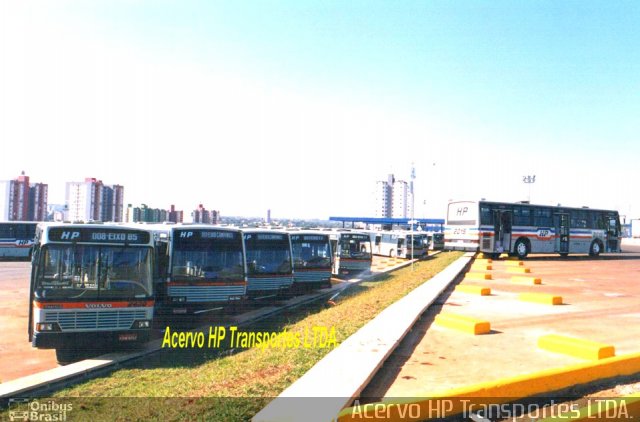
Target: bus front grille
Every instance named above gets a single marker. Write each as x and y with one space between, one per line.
269 283
311 276
207 293
97 320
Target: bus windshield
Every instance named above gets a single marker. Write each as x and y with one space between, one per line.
268 256
92 272
208 260
355 247
308 253
417 240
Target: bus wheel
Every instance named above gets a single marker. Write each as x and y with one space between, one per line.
392 253
66 355
522 249
595 248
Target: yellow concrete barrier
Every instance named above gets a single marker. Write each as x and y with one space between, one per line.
576 347
543 298
455 401
525 279
476 290
478 276
463 323
518 270
514 263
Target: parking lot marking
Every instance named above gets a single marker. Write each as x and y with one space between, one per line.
576 347
543 298
463 323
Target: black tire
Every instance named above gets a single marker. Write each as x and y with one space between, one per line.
521 249
595 249
564 254
67 355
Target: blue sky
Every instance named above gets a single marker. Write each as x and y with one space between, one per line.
301 106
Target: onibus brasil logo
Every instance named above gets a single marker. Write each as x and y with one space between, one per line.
38 410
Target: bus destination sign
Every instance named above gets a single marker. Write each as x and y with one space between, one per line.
98 235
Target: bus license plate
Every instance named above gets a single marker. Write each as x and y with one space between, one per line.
128 337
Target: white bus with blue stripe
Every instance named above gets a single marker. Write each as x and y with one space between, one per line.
203 267
312 258
91 288
16 238
520 229
269 262
398 243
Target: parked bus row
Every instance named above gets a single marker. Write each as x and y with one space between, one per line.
405 243
96 285
520 229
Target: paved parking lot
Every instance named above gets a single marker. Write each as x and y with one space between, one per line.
601 303
17 357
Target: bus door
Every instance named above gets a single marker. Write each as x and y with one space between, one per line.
613 234
562 232
400 249
502 229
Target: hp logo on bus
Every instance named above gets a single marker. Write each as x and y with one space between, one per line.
69 235
186 234
462 211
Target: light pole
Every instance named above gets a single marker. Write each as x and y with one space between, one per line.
529 180
413 206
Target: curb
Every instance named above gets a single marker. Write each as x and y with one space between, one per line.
501 391
343 373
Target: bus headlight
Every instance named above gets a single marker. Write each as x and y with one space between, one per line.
47 326
178 299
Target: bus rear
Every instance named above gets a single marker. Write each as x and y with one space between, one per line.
206 270
91 288
269 263
311 259
461 231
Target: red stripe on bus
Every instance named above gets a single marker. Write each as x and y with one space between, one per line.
93 305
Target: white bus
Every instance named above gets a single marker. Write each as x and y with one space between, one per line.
269 262
520 229
16 238
202 268
351 252
312 258
91 288
398 243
